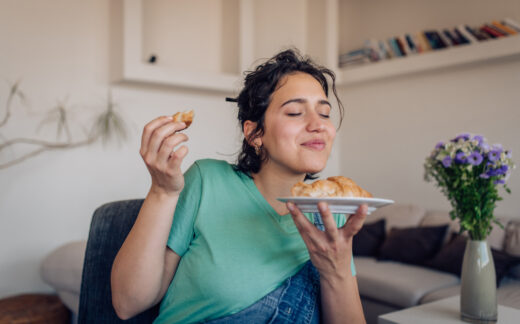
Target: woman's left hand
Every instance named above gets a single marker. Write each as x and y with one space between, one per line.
330 250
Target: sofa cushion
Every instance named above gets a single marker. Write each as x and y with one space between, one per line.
436 218
398 215
512 238
63 267
396 283
70 299
369 239
450 257
412 245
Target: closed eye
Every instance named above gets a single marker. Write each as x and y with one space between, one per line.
293 114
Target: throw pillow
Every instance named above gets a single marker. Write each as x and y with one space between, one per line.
412 245
369 239
450 257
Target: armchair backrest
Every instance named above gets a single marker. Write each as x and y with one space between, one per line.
109 227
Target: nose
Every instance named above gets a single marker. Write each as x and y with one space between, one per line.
315 123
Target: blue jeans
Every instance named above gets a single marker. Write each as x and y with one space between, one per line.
297 300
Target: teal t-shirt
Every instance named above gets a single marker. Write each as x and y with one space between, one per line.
234 247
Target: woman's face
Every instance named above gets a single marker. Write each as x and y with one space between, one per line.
298 133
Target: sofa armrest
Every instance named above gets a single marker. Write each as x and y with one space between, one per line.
62 269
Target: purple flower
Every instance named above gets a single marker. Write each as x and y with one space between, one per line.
494 155
446 162
464 136
479 139
509 154
484 176
501 181
460 158
439 145
498 171
475 158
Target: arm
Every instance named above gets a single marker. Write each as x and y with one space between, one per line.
144 266
331 254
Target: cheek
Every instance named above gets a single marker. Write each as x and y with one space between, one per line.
332 132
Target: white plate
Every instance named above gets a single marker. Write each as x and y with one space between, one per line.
338 205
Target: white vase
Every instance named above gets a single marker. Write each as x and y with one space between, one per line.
478 295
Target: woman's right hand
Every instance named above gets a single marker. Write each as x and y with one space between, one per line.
160 137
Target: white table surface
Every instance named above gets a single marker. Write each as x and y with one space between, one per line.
445 311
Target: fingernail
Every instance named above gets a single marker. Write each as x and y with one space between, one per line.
290 206
322 207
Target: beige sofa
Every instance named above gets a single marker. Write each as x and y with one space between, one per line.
384 286
387 285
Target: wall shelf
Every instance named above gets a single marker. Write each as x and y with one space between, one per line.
454 56
311 26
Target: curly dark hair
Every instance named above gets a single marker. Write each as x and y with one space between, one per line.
255 97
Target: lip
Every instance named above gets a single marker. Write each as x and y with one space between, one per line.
315 144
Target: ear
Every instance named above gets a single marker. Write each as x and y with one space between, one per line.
249 127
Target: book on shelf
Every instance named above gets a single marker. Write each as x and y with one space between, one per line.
425 45
505 28
454 40
436 42
447 41
395 47
491 32
404 45
420 42
469 36
411 44
500 32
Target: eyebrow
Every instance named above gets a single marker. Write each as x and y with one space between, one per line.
301 100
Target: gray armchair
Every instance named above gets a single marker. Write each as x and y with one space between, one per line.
109 227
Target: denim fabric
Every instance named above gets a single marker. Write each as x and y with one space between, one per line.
296 301
318 221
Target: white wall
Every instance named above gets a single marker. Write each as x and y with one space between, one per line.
61 48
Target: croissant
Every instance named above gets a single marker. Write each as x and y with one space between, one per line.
185 116
337 186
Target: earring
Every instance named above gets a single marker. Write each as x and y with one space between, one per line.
258 149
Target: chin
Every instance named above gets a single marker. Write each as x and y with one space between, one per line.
314 167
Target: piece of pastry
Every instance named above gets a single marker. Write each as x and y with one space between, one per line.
185 116
337 186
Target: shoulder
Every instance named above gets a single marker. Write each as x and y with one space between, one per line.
215 167
212 164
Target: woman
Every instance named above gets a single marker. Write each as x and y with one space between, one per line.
231 253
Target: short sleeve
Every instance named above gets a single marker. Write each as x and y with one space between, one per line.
182 230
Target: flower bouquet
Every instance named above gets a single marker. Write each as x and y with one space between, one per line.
468 171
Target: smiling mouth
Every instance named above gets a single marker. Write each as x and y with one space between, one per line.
315 145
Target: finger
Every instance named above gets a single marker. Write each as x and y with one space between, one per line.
355 222
304 226
169 144
176 157
149 129
331 228
308 231
161 133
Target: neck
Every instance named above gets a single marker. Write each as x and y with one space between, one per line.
273 183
